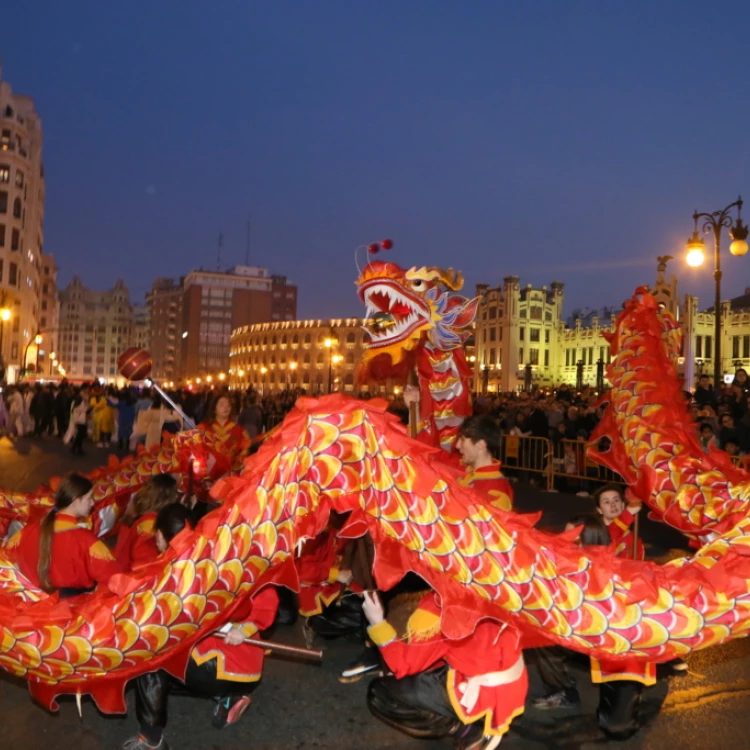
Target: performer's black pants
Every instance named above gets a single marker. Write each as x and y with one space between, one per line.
418 705
152 693
619 708
551 661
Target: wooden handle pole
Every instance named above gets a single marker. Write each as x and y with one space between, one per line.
282 648
635 536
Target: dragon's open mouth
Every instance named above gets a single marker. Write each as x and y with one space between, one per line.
390 314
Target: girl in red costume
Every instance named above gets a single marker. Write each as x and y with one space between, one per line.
225 428
470 688
135 542
221 665
62 553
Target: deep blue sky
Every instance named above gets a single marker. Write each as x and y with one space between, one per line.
554 140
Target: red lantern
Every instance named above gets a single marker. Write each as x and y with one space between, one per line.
386 244
373 248
134 363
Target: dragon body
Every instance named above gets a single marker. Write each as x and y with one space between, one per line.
416 322
337 453
197 453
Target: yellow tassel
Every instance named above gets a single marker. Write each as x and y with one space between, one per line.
422 625
80 708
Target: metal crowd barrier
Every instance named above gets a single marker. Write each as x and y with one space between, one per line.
562 466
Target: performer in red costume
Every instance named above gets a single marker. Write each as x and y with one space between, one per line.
62 553
470 688
478 438
135 542
225 428
619 521
222 666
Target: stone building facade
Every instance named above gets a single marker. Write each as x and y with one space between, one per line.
21 228
95 328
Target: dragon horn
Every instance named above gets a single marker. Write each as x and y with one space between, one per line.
454 280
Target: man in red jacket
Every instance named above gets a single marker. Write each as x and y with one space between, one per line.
470 688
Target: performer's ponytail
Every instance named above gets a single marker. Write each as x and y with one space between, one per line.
71 488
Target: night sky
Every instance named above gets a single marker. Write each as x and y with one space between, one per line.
553 140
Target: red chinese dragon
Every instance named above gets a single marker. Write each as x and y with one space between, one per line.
338 453
415 322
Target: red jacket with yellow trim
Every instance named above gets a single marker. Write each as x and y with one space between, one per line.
489 482
487 677
78 559
621 533
136 543
317 572
243 663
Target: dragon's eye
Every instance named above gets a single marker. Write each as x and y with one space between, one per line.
418 285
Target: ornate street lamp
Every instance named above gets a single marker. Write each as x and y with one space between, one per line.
738 231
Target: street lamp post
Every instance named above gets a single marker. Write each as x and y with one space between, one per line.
714 222
4 318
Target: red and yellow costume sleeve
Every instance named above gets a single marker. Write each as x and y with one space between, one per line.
490 482
136 544
317 572
243 663
78 559
621 533
487 677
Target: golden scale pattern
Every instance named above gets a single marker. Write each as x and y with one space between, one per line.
345 453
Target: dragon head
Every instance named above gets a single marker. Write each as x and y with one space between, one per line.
407 309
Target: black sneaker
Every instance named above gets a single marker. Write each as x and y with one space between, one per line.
470 737
368 661
141 743
229 711
561 699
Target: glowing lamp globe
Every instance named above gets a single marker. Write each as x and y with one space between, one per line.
134 363
738 247
695 258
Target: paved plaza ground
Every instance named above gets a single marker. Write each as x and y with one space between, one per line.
300 706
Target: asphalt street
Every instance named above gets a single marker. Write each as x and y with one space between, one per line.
301 706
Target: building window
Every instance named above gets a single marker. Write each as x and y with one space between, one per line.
19 178
533 357
521 333
13 275
493 334
535 313
492 357
523 312
17 208
4 173
735 347
3 201
707 348
534 335
15 239
520 356
745 346
546 357
546 337
493 313
2 235
548 315
699 346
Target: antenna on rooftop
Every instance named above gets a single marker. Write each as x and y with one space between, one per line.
247 247
218 249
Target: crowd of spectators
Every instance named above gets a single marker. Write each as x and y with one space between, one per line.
129 416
